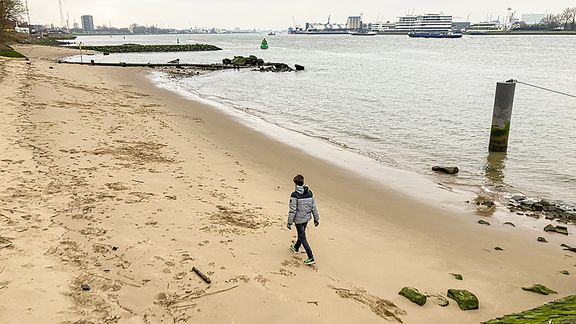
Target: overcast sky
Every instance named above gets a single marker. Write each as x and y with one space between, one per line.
271 14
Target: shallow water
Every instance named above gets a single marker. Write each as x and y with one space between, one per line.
407 103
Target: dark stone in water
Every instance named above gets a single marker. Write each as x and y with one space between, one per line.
276 67
549 209
518 197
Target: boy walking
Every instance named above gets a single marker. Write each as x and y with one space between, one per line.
302 205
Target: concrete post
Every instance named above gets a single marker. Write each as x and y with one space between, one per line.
501 116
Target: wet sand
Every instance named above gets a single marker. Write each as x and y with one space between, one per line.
111 182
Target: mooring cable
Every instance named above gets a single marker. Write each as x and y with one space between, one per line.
543 88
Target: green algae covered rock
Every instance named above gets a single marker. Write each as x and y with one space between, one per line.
556 312
413 295
465 299
239 60
539 289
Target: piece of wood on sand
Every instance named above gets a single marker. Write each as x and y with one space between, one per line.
201 275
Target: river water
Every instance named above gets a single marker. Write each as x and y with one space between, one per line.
405 103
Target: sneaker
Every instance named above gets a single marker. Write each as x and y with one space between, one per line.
293 249
309 262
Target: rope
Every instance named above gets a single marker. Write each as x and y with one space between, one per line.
545 89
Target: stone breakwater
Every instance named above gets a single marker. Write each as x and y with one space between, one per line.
534 207
138 48
255 62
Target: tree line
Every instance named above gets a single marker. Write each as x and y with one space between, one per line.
10 13
565 20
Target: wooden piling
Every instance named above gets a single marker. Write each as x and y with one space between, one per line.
503 102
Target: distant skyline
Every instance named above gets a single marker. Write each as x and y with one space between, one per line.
269 14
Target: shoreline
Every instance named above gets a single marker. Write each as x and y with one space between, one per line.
171 177
405 182
430 188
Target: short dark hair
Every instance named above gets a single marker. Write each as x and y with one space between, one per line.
299 180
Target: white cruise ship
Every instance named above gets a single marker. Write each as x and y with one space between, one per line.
428 23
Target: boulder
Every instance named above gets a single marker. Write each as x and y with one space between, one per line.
562 229
510 223
541 239
558 229
498 248
299 67
539 289
518 197
276 67
440 300
252 60
444 169
227 61
483 222
565 272
457 276
550 228
465 299
239 60
413 295
282 67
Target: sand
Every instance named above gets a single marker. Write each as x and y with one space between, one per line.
111 182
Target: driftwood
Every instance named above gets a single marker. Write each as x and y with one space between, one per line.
202 275
448 170
190 295
214 292
120 281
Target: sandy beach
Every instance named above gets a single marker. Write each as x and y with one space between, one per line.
110 182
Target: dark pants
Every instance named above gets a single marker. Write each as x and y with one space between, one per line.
301 229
